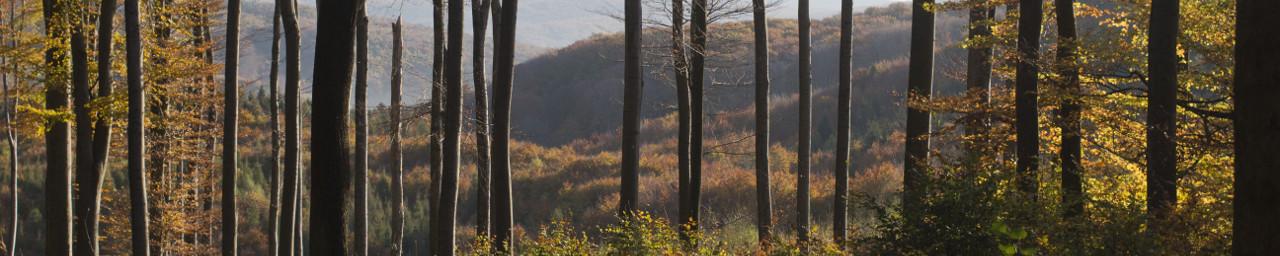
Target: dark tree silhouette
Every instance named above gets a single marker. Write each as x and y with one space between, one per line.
680 67
397 161
230 129
839 219
273 211
1162 114
361 158
86 177
1027 124
446 220
697 68
978 76
806 115
102 128
504 28
289 198
1257 137
479 19
919 121
57 139
136 131
330 148
1069 73
764 205
633 95
436 138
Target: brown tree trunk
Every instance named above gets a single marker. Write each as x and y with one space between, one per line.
230 129
839 220
136 132
330 147
479 18
764 204
1069 72
397 161
919 121
446 220
806 115
504 28
102 128
1257 135
289 196
361 158
697 68
87 177
633 95
273 212
437 109
1162 116
978 79
680 67
58 209
1027 124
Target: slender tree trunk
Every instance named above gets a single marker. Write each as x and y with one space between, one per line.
362 135
136 131
697 66
289 196
680 67
86 177
1162 114
504 28
273 228
1069 72
397 161
58 209
1257 137
330 148
11 140
102 128
919 121
479 18
764 204
1027 124
230 129
979 79
633 95
839 220
447 219
437 109
806 115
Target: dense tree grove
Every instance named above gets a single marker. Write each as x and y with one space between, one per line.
700 127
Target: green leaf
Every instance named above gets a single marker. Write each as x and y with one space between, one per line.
1018 234
1008 249
1030 251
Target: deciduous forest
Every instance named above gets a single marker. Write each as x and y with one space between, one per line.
689 127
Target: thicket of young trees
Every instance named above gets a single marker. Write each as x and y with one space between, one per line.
1157 114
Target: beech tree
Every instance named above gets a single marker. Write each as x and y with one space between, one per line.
806 115
273 211
1069 75
839 219
1027 113
58 211
330 148
438 41
504 29
697 76
764 204
9 104
397 160
1162 104
680 66
136 131
919 120
978 75
479 19
230 129
87 176
632 95
289 210
361 169
1257 140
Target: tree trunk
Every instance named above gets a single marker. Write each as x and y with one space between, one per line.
1027 124
919 121
362 136
633 95
839 220
437 108
1162 116
289 196
806 115
978 79
764 205
680 67
230 129
10 103
330 147
697 67
57 151
447 218
87 178
397 161
504 28
102 128
1069 72
479 18
1257 135
136 131
273 228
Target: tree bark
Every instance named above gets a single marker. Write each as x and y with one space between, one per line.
437 108
397 161
697 68
806 114
1162 115
504 28
680 67
10 104
447 219
919 121
479 18
764 204
230 130
1027 124
58 209
289 196
633 95
1257 129
1069 73
273 228
362 135
330 147
978 78
136 131
839 219
87 177
102 128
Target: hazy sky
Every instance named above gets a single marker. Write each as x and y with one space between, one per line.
557 23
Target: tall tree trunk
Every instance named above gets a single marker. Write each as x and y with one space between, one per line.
289 196
1069 72
10 104
361 171
764 205
397 161
680 67
697 66
504 28
86 177
447 217
839 220
436 138
806 115
919 121
136 131
978 78
58 209
230 129
1027 124
1162 114
273 213
633 95
479 18
1257 135
330 148
102 128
